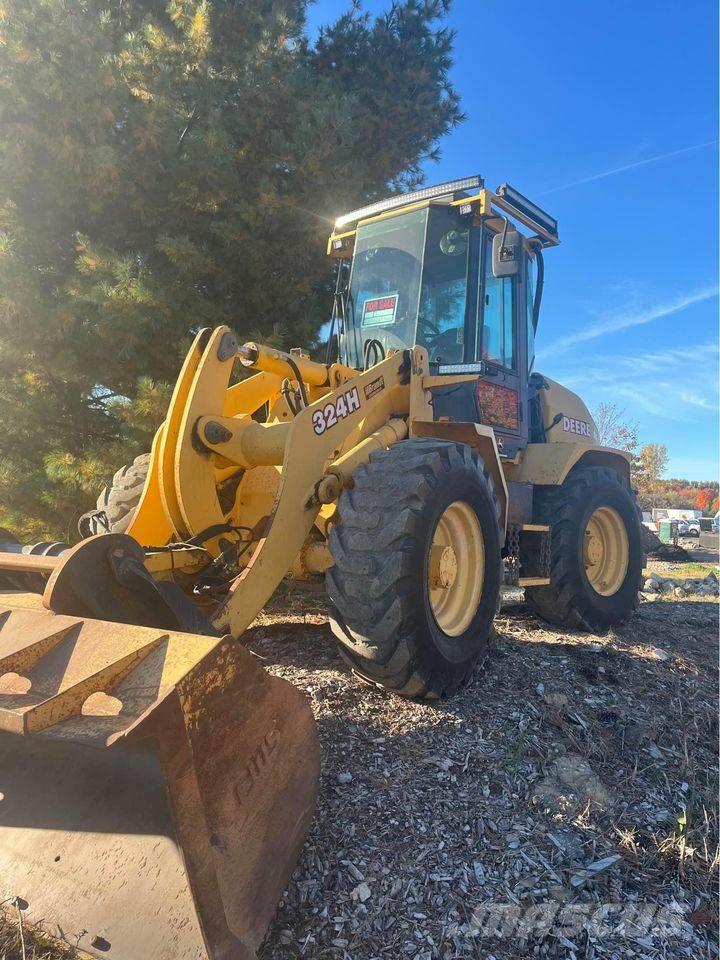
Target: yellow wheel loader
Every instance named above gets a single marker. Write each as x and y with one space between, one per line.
156 783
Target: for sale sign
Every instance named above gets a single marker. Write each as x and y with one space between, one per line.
380 311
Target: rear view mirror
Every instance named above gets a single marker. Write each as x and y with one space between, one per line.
506 252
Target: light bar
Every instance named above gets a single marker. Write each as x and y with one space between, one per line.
520 203
426 193
461 368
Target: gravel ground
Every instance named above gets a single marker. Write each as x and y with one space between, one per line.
567 750
563 805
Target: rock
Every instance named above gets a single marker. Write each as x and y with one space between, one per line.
558 700
540 689
679 592
344 778
570 784
651 585
361 892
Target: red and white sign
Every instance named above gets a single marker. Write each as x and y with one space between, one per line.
380 311
580 427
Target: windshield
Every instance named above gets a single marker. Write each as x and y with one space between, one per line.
409 285
385 284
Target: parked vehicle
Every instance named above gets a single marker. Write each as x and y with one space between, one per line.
689 528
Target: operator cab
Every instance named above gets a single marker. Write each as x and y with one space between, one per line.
446 269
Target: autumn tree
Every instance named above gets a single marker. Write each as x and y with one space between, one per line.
614 428
703 499
650 465
168 165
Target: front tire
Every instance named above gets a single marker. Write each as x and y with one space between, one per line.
417 567
596 551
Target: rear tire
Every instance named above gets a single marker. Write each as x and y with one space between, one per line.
406 504
591 499
118 501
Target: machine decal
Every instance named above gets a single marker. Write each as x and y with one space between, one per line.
571 425
259 761
380 311
375 386
329 415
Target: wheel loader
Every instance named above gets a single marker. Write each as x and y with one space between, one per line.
156 783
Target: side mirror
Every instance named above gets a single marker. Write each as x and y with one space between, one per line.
506 253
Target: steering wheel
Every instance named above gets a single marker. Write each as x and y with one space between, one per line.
445 342
433 328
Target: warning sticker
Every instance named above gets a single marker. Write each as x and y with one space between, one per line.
380 311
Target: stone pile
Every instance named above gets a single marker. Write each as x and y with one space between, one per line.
683 586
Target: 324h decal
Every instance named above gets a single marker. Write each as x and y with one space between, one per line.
334 411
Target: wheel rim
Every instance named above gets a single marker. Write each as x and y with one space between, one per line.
456 568
605 551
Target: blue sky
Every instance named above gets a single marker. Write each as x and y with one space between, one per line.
607 117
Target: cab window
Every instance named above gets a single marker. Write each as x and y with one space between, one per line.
443 294
497 331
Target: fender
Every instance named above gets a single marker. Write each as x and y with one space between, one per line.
480 437
549 464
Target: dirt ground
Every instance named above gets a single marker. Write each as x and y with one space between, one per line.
563 805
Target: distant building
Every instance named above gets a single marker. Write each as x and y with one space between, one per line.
672 513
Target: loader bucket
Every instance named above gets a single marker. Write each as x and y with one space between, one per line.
155 787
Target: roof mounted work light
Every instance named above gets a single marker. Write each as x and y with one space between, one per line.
402 199
513 198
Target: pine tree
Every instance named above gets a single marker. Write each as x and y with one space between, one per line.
166 166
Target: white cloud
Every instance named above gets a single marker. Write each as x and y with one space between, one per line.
614 171
623 320
670 384
695 401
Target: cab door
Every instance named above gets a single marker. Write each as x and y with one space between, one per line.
501 345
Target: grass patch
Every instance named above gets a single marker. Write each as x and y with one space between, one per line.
681 571
32 943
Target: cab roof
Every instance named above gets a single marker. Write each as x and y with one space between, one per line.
469 194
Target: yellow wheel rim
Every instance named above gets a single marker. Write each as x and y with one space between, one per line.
456 567
605 551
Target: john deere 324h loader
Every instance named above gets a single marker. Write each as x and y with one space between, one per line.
156 783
